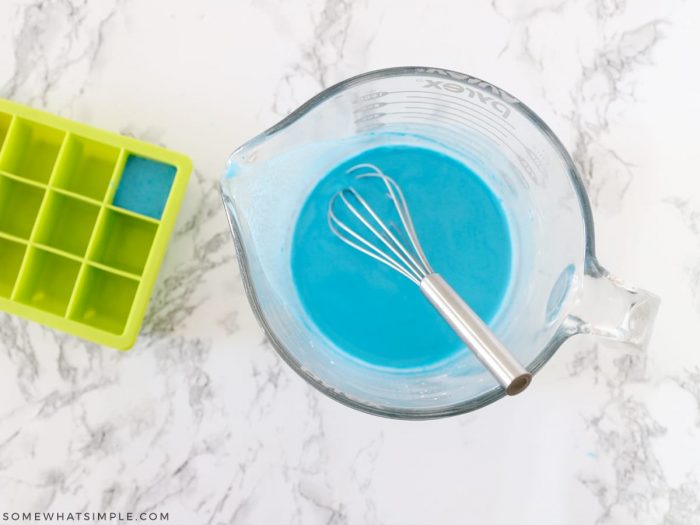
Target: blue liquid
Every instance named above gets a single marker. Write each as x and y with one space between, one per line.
145 186
370 311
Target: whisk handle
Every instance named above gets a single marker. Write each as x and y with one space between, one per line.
477 336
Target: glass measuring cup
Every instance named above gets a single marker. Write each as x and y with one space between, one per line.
558 289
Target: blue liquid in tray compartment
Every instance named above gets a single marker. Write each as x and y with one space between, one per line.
145 186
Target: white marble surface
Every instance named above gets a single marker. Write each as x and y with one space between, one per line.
203 420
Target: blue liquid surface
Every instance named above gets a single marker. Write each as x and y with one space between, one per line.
373 313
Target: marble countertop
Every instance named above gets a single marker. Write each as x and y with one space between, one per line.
202 419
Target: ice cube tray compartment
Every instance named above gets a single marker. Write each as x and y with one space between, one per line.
86 167
47 281
5 121
30 150
10 264
66 223
85 217
19 206
90 306
123 241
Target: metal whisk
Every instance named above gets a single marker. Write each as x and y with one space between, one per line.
389 247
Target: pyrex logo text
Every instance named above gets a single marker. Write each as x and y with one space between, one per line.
463 85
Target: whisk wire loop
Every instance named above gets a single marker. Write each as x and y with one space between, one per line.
397 197
390 241
366 247
409 262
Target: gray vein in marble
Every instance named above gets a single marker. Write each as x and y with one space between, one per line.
625 433
37 63
520 38
689 381
318 495
329 39
616 62
684 505
18 348
690 216
363 469
324 49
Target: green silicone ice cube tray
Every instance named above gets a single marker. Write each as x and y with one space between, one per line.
85 219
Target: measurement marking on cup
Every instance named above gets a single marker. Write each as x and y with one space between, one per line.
453 87
459 110
488 108
462 113
459 115
527 150
442 97
476 127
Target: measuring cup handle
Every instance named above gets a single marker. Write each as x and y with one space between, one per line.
608 308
